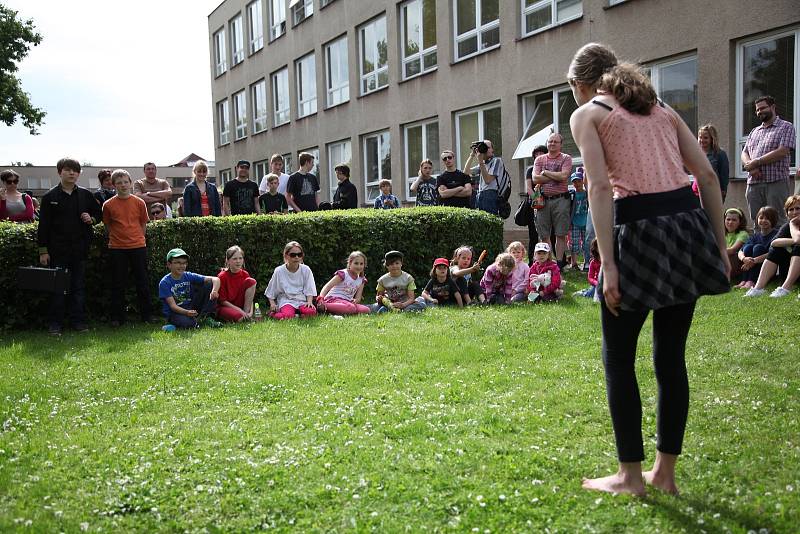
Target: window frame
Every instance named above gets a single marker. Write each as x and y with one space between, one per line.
555 113
419 56
477 31
374 183
343 88
481 128
307 7
223 120
333 183
311 101
224 177
277 29
288 163
255 28
239 99
739 138
220 52
437 168
236 26
275 94
553 16
256 118
361 51
263 166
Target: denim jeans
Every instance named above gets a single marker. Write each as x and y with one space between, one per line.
487 201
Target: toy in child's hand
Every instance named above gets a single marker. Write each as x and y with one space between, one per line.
482 257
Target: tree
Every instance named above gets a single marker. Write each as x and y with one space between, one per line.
16 38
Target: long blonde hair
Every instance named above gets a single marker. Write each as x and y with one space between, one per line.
711 130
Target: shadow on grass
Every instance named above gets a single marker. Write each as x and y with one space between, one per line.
684 511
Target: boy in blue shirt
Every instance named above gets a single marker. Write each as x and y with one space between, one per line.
580 212
188 297
386 200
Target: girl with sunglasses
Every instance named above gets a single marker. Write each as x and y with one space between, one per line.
14 206
291 290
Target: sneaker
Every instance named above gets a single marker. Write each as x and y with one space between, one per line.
211 323
168 328
754 292
779 292
54 330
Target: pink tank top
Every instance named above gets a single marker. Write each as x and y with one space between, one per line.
642 153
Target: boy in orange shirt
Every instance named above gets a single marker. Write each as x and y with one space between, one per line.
125 217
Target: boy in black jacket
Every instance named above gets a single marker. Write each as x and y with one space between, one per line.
66 216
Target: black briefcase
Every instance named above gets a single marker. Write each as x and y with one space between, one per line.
43 279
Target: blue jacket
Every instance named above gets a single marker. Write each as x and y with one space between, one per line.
191 200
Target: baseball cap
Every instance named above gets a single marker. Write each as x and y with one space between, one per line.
176 253
441 261
392 255
541 246
243 163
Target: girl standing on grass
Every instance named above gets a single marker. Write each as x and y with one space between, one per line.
291 290
544 276
496 282
462 269
635 149
735 237
441 290
519 276
236 289
755 251
342 294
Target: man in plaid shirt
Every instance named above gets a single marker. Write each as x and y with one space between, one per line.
766 158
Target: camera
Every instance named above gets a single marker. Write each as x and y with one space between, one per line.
482 147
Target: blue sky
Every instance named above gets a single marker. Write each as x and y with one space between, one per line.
122 82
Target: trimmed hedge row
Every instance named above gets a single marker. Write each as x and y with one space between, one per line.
422 234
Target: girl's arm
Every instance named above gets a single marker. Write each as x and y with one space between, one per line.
737 245
273 306
794 228
782 242
359 294
333 282
459 302
555 279
428 298
214 281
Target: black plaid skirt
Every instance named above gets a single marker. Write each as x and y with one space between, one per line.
665 251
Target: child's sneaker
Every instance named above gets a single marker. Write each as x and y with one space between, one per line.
211 323
754 292
779 292
168 327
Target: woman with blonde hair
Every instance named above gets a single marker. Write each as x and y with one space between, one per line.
708 139
200 197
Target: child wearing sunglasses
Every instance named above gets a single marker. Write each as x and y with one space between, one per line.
291 290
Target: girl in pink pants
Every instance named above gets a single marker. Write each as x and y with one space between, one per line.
342 294
291 290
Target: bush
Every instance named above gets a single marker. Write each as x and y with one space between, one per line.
422 234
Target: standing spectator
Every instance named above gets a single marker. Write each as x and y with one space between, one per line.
346 195
425 186
490 168
533 235
200 198
303 187
386 200
106 189
14 206
64 235
152 189
580 212
240 196
453 186
766 158
125 218
273 202
708 138
552 171
275 167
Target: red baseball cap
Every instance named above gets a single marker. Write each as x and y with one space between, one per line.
441 261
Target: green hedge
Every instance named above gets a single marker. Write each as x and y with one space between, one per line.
327 237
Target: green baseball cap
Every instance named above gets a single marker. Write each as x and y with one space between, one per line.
176 253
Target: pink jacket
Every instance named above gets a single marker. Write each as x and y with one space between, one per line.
594 271
541 268
494 281
26 216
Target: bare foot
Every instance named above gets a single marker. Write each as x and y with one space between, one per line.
616 483
664 483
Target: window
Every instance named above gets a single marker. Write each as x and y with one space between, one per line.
288 163
301 10
418 36
338 152
337 72
421 141
306 70
258 96
374 55
240 114
237 41
478 124
377 163
255 26
314 152
220 54
280 97
224 176
675 83
261 169
477 26
538 15
766 66
224 122
550 112
277 18
179 181
323 3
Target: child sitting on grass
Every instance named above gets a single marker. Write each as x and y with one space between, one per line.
395 291
462 270
291 290
441 290
496 282
236 290
544 277
755 251
519 276
189 298
342 294
594 272
735 237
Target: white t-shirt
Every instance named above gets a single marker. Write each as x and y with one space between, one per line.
347 288
287 287
283 181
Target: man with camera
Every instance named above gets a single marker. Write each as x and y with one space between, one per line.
552 172
490 168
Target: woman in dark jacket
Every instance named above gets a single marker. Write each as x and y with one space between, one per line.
708 139
200 198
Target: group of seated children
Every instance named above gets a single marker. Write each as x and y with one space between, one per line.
190 299
756 259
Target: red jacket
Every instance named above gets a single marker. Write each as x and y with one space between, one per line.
541 268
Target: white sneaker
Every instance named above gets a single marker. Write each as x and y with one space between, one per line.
779 292
754 292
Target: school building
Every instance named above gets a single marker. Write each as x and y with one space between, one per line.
383 84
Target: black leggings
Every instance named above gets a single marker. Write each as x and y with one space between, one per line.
620 335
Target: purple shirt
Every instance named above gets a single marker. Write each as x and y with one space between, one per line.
764 139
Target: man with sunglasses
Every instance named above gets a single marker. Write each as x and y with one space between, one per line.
455 187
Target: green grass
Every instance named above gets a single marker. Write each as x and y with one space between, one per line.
452 420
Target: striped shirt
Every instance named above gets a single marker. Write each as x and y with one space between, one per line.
766 138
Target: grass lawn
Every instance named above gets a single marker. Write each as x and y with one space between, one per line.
479 420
